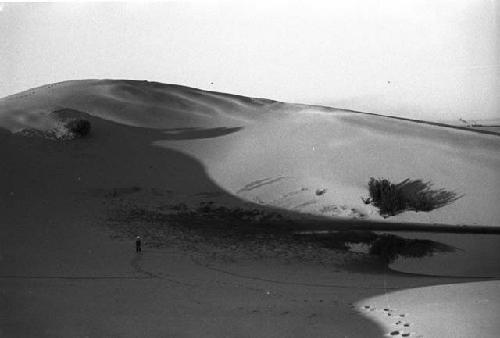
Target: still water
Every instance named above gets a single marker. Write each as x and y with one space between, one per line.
475 256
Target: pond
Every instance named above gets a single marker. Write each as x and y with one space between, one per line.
475 255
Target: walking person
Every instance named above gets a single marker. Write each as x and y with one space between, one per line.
138 244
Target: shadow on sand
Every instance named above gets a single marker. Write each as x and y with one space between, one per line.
198 133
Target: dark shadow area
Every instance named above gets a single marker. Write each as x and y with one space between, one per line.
393 199
198 133
390 247
223 226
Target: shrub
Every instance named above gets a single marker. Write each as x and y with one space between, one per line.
78 127
392 199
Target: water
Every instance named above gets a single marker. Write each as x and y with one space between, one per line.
475 256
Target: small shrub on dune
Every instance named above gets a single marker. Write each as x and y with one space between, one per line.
78 127
416 195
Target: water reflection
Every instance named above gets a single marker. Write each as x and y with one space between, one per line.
386 246
438 254
474 256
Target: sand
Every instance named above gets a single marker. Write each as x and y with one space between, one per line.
67 261
457 310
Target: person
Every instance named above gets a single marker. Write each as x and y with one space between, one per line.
138 244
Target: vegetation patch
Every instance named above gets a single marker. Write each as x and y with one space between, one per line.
208 229
78 127
207 220
67 124
416 195
75 123
260 232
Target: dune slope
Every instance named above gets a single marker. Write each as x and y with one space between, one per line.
282 154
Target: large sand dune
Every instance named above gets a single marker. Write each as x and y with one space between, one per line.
153 146
280 154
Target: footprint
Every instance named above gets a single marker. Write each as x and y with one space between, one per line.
369 308
408 334
394 333
406 325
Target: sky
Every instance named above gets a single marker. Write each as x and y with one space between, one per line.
436 59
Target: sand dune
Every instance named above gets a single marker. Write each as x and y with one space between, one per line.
154 146
314 147
135 103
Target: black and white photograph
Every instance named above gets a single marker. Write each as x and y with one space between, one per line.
250 169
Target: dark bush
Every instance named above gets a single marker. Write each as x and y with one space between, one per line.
79 127
393 199
320 192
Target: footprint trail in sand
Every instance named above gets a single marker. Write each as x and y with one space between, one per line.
400 328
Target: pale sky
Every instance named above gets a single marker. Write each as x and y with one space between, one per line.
423 59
